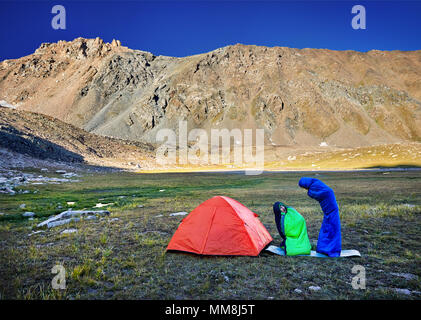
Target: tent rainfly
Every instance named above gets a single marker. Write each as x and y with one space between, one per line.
221 226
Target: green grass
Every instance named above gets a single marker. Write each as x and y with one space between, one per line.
126 259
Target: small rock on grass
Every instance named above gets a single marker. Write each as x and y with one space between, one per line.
178 214
409 205
28 214
67 231
35 232
402 291
53 224
315 288
407 276
8 190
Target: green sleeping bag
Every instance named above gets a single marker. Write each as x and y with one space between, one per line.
293 229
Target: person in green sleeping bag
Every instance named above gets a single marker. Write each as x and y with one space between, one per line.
293 230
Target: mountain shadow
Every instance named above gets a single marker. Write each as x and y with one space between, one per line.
25 143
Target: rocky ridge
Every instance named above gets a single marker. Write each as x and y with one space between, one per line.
300 97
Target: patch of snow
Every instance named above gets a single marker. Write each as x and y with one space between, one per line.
5 104
100 205
298 290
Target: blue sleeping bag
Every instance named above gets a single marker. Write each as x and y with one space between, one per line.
329 242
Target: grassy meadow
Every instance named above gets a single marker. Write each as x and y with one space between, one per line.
125 258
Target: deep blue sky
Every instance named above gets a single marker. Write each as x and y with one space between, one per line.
180 28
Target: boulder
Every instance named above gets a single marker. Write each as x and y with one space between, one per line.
28 214
69 216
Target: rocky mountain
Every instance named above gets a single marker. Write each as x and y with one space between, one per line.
300 97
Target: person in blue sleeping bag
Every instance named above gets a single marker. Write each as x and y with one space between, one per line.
329 242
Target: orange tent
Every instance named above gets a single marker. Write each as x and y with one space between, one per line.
221 226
